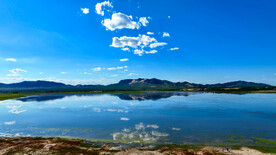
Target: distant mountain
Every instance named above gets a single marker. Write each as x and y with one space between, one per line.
33 84
238 84
157 84
129 84
142 84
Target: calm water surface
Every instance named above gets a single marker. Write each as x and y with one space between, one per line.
166 117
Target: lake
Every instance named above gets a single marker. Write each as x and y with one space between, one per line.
156 117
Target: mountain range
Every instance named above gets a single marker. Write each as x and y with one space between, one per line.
129 84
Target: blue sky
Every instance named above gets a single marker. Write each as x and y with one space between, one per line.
193 40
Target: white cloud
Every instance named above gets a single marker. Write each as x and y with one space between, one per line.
97 69
169 16
154 45
11 59
175 48
9 123
176 129
115 75
137 43
125 59
150 33
144 21
151 52
166 34
86 73
14 75
99 7
116 68
62 72
85 10
134 42
41 73
124 119
133 74
17 70
126 49
122 21
141 52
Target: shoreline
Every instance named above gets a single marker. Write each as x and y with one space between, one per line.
8 95
57 145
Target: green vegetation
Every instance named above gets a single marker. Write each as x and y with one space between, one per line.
239 90
260 144
264 149
5 96
265 141
14 95
186 147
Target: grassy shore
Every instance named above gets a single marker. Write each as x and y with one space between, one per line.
6 96
55 145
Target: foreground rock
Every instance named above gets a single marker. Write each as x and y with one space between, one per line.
46 146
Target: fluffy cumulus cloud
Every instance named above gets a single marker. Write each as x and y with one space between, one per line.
16 72
137 43
134 42
142 51
126 49
122 21
85 10
99 7
175 48
11 59
166 34
154 45
97 69
150 33
144 21
151 52
133 74
117 68
124 59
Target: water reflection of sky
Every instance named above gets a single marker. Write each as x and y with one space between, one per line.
148 117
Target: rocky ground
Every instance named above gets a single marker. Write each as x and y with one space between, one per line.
47 146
